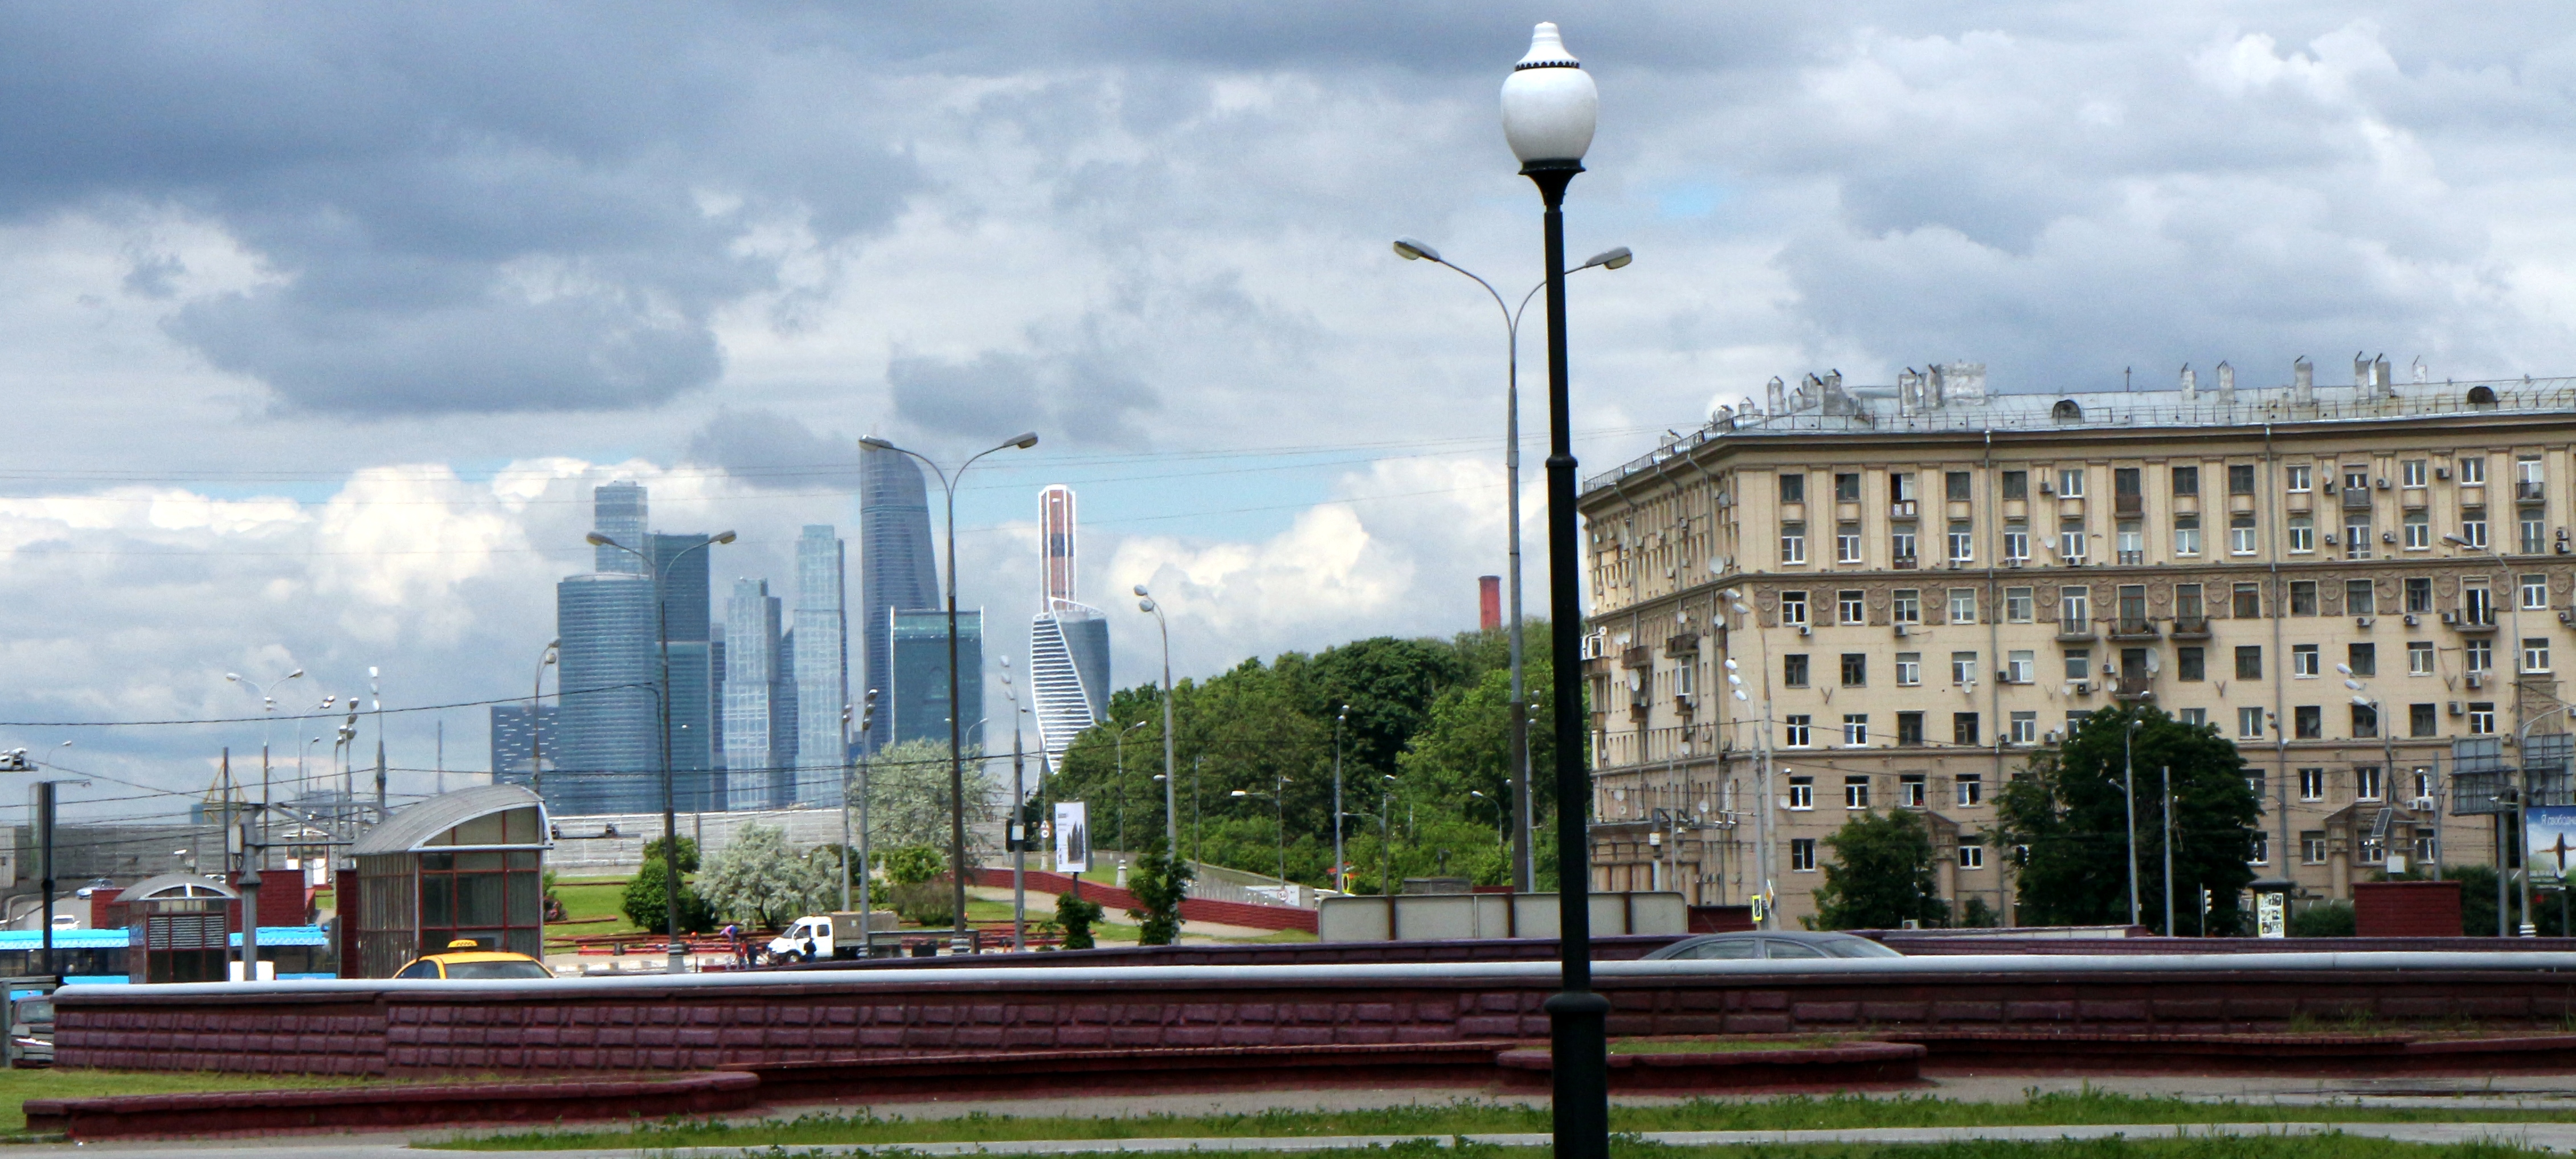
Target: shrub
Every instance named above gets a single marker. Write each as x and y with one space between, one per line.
1075 914
2331 919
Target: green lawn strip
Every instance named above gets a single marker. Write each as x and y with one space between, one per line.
1467 1117
18 1086
2250 1147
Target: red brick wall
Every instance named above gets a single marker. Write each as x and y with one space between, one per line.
2406 909
1259 917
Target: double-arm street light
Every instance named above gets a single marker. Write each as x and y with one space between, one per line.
1550 107
536 730
679 949
959 942
1171 801
1524 873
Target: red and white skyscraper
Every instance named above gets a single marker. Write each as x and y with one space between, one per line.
1068 641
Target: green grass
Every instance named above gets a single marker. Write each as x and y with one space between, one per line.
593 899
18 1086
1840 1112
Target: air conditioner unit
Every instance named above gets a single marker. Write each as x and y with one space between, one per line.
2388 537
2455 708
1900 629
2382 482
2567 617
2015 562
2420 804
2327 487
2441 472
2053 737
2361 621
2330 539
2083 688
2047 488
2412 619
2451 618
1686 700
2476 681
2562 547
1804 630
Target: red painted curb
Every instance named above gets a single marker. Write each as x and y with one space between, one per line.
1086 1072
209 1113
1842 1065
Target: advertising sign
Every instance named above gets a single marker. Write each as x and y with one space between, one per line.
2550 834
2271 915
1072 838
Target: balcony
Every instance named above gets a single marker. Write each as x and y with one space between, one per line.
1637 656
1627 748
1904 563
2356 499
2191 628
1901 509
2131 688
2074 631
2140 628
2132 558
2131 505
1681 644
2529 491
2471 623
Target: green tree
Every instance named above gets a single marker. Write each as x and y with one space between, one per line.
645 904
756 879
917 887
2068 809
1880 876
1076 914
907 787
1159 883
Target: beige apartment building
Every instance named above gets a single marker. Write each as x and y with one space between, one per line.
1917 587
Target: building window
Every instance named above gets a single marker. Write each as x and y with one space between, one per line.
2362 659
2262 852
2312 846
2477 604
1855 792
2527 478
2419 531
2249 724
2420 720
2017 605
1847 543
1793 670
1847 487
1855 669
2535 653
1793 608
2025 728
1795 731
2535 533
2365 722
2187 607
1910 791
1793 543
2018 665
2016 484
2074 609
2419 595
1909 669
2360 598
2303 597
2240 534
2070 483
1963 668
2473 468
1963 605
1963 731
2191 663
2312 784
2075 720
2535 593
2194 717
2297 474
2303 661
2419 657
1963 543
2186 480
2411 473
1955 484
1900 486
2245 602
1909 728
2249 661
2070 539
2367 784
2303 534
1848 608
2420 781
1856 731
1972 853
2079 663
1971 786
1906 607
2473 526
2186 535
1802 793
2482 718
2356 535
1793 488
2016 541
1802 855
2308 722
2132 543
2477 656
2240 478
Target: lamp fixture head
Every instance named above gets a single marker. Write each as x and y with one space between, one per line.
722 537
1140 590
1611 259
1550 105
595 539
1414 251
874 443
1026 440
1145 605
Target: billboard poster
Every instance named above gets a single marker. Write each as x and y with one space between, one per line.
2271 915
1072 838
2549 833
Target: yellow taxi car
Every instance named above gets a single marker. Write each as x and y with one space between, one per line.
466 958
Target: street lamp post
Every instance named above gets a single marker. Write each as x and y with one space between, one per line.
252 851
1120 748
1012 832
1341 874
1278 795
867 720
1171 802
959 942
536 717
1524 874
2129 800
662 703
1550 107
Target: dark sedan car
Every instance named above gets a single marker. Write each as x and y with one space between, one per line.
1774 945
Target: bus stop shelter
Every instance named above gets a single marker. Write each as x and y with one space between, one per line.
467 864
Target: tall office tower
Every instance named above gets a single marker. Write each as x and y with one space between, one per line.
822 663
783 717
515 749
897 570
618 512
610 761
919 696
751 677
716 706
680 561
1068 641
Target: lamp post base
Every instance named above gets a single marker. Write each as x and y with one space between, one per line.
1578 1040
679 958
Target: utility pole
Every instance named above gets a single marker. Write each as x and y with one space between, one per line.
2170 829
376 694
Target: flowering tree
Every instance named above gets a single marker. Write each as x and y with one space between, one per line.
758 880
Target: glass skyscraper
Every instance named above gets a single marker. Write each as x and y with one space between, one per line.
897 570
680 563
822 664
759 718
610 761
619 512
919 698
1068 641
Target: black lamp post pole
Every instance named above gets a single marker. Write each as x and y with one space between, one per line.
1577 1017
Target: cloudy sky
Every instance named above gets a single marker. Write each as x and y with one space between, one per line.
318 322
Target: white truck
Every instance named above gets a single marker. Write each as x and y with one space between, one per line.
825 936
